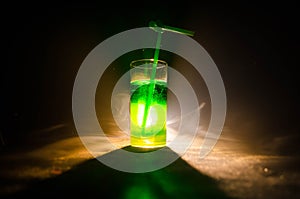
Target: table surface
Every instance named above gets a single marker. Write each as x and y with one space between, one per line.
62 166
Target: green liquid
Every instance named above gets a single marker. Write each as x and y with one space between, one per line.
152 132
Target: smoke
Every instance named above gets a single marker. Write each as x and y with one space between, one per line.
121 114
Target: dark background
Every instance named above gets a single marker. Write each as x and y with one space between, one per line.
254 45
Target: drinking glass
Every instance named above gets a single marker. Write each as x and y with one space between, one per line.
148 103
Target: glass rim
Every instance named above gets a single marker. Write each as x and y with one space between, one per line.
160 63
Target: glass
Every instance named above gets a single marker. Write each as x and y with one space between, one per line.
148 103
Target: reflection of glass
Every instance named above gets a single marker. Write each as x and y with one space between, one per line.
148 103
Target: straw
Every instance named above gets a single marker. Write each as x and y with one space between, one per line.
160 28
152 83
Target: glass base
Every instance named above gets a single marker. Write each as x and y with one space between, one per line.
147 142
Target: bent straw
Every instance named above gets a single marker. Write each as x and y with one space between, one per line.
160 29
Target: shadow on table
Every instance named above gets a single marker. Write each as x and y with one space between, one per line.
94 179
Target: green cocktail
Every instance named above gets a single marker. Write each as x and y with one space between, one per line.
148 106
153 132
